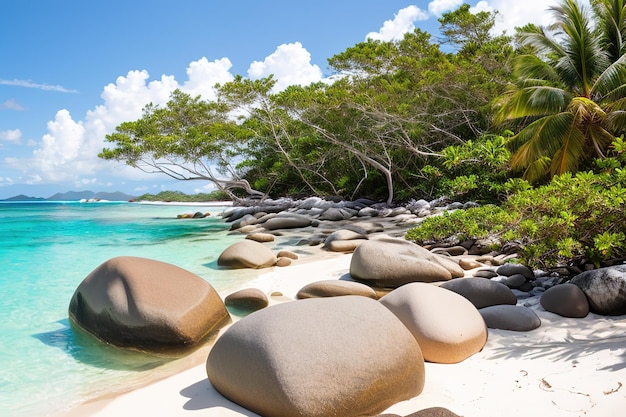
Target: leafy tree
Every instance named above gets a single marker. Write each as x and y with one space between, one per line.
571 90
188 139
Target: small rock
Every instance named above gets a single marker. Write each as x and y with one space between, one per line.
510 317
510 269
247 299
334 288
566 300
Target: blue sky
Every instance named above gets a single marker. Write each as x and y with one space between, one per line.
71 71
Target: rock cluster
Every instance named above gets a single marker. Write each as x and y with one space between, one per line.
352 346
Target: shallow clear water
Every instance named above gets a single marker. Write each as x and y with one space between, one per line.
46 250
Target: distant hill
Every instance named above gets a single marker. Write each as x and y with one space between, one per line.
77 196
23 197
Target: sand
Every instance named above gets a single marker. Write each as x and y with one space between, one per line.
566 367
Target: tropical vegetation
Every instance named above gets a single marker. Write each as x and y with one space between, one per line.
530 126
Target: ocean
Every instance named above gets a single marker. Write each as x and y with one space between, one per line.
46 250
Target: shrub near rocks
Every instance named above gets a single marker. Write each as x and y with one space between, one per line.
147 305
340 356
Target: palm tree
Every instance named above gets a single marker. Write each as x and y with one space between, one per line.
571 92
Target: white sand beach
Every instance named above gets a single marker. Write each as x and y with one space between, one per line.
566 367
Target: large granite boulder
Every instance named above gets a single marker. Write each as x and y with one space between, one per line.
481 292
391 263
508 317
605 289
566 300
448 328
339 356
147 305
335 288
246 254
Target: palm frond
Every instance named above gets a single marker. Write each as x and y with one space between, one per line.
534 101
531 67
568 156
611 82
542 138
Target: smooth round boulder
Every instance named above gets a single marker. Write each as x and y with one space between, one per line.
335 288
605 289
247 299
261 237
448 328
508 317
147 305
391 263
246 254
287 221
566 300
338 356
481 292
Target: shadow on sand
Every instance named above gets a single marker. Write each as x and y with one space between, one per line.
568 340
203 396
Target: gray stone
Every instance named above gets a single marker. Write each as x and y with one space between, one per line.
566 300
510 269
509 317
515 280
337 214
339 356
147 305
481 292
605 289
287 221
390 263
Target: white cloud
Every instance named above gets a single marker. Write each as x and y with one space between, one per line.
13 136
517 14
393 30
203 75
39 86
68 152
439 7
11 104
291 65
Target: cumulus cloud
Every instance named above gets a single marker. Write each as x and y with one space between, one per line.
290 64
517 14
393 30
11 104
68 151
13 136
439 7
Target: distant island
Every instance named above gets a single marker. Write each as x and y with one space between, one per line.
77 196
165 196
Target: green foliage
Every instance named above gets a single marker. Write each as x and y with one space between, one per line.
569 97
178 196
460 225
573 219
476 170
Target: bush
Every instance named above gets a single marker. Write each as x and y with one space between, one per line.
573 220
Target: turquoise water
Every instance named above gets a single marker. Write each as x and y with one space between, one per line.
46 250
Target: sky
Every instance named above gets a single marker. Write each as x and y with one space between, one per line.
73 70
